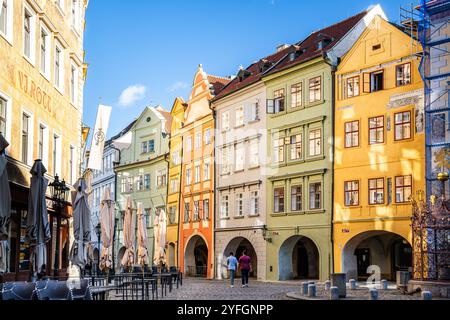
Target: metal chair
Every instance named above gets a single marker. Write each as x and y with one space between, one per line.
55 290
19 291
83 292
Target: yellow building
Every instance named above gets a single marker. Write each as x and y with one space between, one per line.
42 73
379 152
174 193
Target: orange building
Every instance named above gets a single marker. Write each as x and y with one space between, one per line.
196 218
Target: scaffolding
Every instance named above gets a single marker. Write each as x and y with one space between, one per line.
429 23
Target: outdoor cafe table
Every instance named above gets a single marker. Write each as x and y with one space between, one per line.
164 278
99 293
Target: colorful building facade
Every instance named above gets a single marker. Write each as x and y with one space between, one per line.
42 76
241 153
196 239
142 173
174 192
300 145
379 152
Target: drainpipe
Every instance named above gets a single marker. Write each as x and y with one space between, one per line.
167 159
215 275
179 202
333 135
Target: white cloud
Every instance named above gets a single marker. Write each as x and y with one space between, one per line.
131 95
179 85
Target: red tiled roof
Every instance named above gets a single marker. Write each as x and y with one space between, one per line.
218 83
280 59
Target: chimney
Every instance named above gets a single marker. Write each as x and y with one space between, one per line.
281 47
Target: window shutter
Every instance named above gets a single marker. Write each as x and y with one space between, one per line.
366 83
247 113
270 106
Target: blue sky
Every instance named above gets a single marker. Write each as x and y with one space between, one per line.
145 52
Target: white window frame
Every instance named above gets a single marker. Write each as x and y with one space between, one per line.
225 121
9 109
239 204
45 144
254 203
207 170
48 47
30 135
32 13
224 206
74 95
75 15
198 140
8 36
58 168
207 137
189 144
60 85
60 4
239 156
72 178
240 116
254 160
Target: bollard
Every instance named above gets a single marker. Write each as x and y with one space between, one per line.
373 294
312 291
311 282
338 280
384 284
334 293
427 295
352 283
305 288
327 285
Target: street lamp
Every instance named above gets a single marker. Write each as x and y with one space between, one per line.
98 230
59 193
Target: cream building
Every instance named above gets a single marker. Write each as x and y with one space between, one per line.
42 75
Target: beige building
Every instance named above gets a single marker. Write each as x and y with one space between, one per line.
42 75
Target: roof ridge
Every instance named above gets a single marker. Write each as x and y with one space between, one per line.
339 22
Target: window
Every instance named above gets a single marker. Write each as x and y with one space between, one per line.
315 142
71 165
28 35
41 142
198 140
352 134
351 193
129 184
75 14
403 189
151 146
239 204
207 137
59 68
140 183
197 174
239 116
296 96
56 155
254 153
73 84
278 200
3 105
161 178
278 150
206 209
296 147
25 136
226 121
373 82
172 214
225 162
144 148
123 185
296 198
174 185
376 191
176 159
45 52
224 207
240 157
254 112
187 212
188 177
6 18
207 170
315 196
403 74
353 87
60 4
196 211
279 100
403 126
376 130
189 144
315 89
254 203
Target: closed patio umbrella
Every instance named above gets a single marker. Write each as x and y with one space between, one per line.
5 204
38 229
142 236
81 225
107 236
157 236
163 235
128 236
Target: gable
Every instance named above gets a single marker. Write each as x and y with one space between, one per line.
380 42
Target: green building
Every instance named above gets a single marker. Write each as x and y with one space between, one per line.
142 173
300 93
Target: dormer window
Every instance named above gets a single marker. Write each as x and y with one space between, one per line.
322 44
243 74
265 65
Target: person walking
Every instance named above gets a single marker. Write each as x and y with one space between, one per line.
246 266
232 265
